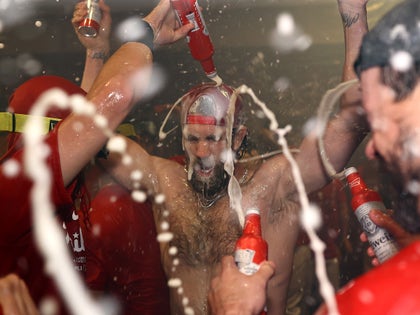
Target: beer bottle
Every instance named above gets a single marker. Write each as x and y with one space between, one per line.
198 39
363 201
251 249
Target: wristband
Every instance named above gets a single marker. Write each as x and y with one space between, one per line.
148 36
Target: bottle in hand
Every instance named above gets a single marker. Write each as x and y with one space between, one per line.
199 42
89 27
363 201
251 249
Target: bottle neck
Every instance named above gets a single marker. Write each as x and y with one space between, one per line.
356 183
252 224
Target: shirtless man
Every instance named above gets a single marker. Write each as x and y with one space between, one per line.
196 204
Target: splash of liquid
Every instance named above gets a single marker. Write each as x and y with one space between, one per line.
218 80
60 265
326 288
325 108
235 193
48 233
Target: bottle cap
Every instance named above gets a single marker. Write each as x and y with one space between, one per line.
209 68
350 170
211 75
252 211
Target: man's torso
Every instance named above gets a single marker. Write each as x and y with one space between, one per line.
203 235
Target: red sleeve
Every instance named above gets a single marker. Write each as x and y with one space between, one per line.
123 253
18 251
391 288
15 193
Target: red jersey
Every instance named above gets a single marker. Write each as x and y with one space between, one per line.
388 289
123 256
18 250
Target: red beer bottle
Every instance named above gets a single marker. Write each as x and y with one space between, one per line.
198 38
251 249
363 201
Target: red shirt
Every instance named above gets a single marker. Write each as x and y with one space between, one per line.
123 253
392 288
18 250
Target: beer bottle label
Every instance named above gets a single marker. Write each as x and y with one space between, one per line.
244 260
379 239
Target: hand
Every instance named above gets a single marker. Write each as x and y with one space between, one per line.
15 298
165 25
232 292
385 221
99 43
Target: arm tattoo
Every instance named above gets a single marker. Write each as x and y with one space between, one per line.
99 55
349 20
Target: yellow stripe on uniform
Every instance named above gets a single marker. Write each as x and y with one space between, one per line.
16 123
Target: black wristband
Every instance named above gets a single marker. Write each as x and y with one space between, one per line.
148 36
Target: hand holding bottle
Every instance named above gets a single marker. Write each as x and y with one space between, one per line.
165 25
363 201
251 248
100 42
232 292
384 220
198 39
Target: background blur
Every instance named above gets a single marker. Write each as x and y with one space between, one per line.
36 37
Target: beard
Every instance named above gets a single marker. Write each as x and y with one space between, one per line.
405 166
400 176
396 193
402 160
209 186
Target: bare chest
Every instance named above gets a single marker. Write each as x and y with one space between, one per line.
201 235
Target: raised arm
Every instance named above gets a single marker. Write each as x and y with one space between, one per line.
97 48
355 25
345 132
120 84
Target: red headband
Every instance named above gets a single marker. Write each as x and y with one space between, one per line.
204 120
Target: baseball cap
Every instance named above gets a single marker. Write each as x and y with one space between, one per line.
208 104
397 31
25 96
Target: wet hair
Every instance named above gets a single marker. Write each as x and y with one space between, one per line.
397 31
402 83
